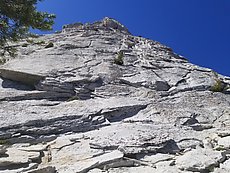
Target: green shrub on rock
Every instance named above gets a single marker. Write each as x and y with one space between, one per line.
119 59
3 142
218 86
2 61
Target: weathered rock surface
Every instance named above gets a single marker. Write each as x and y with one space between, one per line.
72 108
200 160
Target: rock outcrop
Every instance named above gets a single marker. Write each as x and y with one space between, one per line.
93 98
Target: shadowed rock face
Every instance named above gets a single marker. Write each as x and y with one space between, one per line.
71 107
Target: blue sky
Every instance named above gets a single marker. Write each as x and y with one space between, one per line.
196 29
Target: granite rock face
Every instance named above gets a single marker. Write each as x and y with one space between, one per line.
101 100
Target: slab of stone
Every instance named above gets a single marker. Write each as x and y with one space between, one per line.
48 169
224 142
96 170
34 148
141 169
60 142
219 170
223 133
226 165
17 157
23 168
146 169
87 164
157 158
199 160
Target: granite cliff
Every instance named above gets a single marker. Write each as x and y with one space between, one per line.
94 98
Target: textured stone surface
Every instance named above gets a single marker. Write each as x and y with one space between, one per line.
224 142
17 157
224 168
200 160
71 108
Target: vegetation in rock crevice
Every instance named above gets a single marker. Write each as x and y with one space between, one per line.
119 60
3 142
218 86
2 61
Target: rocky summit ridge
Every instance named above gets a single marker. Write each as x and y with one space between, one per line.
94 98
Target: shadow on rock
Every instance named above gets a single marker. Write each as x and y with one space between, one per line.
16 85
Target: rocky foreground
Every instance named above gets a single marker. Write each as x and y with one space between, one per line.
93 98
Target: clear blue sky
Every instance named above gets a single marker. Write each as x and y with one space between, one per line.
196 29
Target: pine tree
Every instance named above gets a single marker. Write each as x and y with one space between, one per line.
17 17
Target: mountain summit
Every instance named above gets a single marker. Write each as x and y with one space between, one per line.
105 24
94 98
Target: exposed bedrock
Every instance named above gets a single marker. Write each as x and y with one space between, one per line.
103 100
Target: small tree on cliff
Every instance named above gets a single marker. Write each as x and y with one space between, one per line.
17 17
